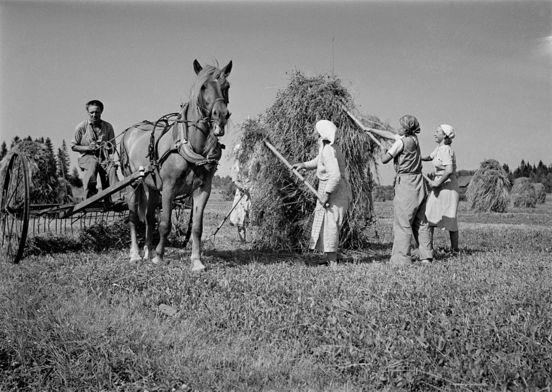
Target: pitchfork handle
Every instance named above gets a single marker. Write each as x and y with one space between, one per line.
295 171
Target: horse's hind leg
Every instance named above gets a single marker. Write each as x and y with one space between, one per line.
153 202
200 200
164 221
132 195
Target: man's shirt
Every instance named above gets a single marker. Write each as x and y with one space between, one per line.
86 133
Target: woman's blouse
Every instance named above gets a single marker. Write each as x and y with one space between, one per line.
329 164
443 156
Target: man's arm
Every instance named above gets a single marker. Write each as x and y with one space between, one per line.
76 144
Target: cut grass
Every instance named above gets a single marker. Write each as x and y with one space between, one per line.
480 320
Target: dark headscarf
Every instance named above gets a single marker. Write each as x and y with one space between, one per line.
410 124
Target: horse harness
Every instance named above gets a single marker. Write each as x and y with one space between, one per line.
181 146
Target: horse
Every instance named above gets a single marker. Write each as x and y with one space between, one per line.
182 152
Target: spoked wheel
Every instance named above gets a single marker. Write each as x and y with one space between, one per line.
14 209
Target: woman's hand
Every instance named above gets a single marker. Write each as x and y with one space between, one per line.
298 166
433 183
323 197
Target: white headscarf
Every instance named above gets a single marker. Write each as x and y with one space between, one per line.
326 129
448 130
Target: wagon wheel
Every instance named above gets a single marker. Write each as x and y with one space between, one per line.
14 209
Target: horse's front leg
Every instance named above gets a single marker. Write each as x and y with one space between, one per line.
200 197
132 220
167 197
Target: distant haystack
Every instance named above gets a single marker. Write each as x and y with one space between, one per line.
540 190
281 205
44 186
488 188
523 194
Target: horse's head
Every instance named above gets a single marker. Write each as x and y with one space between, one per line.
212 95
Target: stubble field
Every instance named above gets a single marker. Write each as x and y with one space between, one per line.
266 321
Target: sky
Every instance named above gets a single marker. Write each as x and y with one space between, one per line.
483 67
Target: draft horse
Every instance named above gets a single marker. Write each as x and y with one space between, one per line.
183 150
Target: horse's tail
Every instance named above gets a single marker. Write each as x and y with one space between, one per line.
141 201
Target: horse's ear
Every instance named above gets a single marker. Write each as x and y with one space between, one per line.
226 70
197 66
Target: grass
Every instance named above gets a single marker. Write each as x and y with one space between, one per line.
477 321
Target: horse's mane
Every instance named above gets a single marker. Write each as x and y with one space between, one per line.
207 73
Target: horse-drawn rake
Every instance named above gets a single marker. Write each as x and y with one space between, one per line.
20 219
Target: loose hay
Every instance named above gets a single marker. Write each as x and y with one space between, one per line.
488 188
281 206
540 190
523 194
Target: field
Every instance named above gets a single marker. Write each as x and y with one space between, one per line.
268 321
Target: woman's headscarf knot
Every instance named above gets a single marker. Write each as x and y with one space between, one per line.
448 130
410 124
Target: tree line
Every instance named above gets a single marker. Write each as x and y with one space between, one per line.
58 165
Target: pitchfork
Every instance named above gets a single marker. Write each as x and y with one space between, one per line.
211 238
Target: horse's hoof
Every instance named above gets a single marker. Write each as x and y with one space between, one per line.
197 266
157 260
135 258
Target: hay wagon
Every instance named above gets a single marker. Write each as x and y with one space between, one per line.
19 218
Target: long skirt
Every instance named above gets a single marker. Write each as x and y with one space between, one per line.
409 220
327 222
442 205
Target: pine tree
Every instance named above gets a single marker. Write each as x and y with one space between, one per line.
3 150
51 165
63 161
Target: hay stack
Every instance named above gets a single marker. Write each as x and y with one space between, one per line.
540 190
44 186
282 206
523 194
488 188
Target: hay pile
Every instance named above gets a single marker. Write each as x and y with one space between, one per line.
540 190
523 194
281 206
44 186
488 188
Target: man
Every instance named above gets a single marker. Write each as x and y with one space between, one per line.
95 140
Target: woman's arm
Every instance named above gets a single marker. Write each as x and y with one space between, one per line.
395 149
386 157
439 181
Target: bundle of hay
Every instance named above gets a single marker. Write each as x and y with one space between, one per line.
523 194
281 206
44 186
540 190
488 188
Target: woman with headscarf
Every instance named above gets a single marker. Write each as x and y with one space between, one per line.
409 203
442 203
334 192
239 216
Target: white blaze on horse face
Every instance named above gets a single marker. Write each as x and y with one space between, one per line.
218 131
219 116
